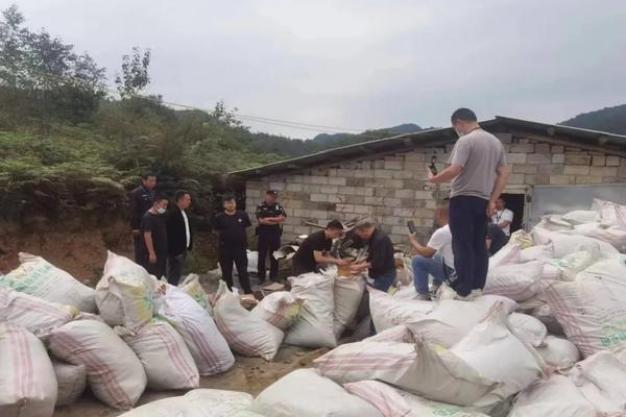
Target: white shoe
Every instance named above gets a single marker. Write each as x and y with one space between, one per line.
477 293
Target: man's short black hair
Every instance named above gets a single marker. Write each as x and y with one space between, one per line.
158 196
228 197
146 174
272 193
464 114
335 224
180 194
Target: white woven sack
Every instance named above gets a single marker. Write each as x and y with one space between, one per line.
582 216
611 213
126 293
72 381
204 341
198 403
516 281
399 333
115 374
591 309
567 243
558 353
556 396
453 319
570 265
28 386
245 333
191 285
388 311
304 393
496 353
164 356
37 316
392 402
315 326
537 253
615 235
527 328
420 368
281 309
510 254
38 277
601 378
348 293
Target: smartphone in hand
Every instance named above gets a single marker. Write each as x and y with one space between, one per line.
411 226
432 166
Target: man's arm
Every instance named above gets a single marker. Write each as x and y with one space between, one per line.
503 172
425 251
503 224
147 236
320 258
446 175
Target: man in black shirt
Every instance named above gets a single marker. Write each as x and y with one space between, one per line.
496 238
140 202
154 238
270 216
179 236
313 250
380 261
233 242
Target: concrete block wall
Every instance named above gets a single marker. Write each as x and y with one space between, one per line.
392 188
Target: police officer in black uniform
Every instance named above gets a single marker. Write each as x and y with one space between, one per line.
270 216
141 199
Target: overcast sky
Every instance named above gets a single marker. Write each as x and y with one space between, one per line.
361 64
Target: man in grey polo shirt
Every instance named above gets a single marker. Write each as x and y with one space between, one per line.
478 172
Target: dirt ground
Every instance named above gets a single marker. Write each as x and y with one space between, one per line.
250 375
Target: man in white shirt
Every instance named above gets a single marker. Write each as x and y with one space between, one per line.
503 217
436 258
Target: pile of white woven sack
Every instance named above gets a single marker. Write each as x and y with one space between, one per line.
547 338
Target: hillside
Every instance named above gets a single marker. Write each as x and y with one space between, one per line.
608 119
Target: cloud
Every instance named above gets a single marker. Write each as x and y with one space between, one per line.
361 63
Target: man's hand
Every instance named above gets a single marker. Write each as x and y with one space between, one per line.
491 209
152 258
429 174
136 232
343 262
412 238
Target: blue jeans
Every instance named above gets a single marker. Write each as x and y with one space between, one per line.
468 224
384 281
423 267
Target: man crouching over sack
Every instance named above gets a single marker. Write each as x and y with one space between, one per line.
380 262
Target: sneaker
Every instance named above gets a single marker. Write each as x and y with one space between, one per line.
476 293
445 293
423 297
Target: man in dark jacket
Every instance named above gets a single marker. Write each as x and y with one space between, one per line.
270 216
140 202
380 262
179 236
154 237
231 225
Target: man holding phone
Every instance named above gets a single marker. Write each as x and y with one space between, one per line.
435 258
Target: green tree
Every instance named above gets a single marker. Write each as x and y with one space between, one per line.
134 77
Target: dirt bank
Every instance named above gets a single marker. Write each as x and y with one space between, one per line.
250 375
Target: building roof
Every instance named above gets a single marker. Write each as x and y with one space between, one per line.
609 142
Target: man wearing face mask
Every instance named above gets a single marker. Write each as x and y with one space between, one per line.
154 236
478 172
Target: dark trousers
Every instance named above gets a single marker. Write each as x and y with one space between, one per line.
158 268
239 257
139 249
267 244
175 265
468 224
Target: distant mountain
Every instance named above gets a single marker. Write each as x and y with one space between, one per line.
326 139
609 119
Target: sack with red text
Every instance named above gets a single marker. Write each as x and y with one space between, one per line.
28 386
